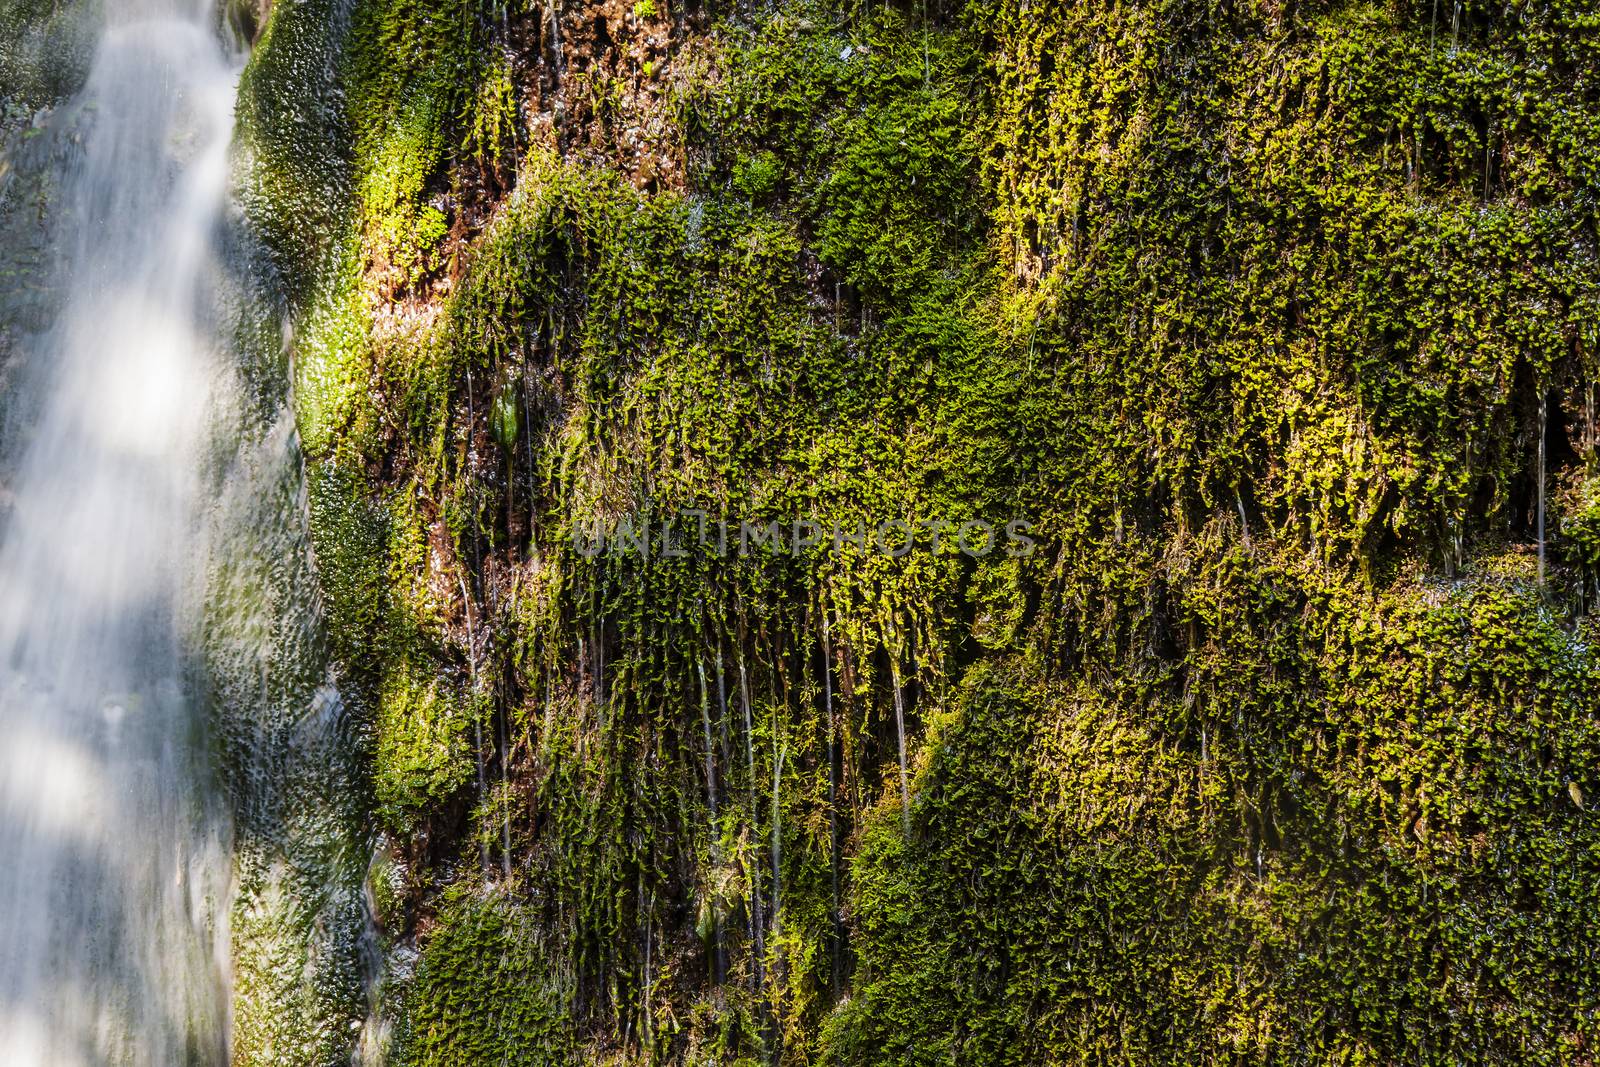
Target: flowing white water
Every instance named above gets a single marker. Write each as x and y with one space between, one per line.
113 850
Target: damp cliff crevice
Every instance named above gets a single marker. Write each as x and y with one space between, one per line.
1261 338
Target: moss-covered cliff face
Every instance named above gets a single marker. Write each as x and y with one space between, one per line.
1267 730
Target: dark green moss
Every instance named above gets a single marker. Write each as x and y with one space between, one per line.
45 47
481 993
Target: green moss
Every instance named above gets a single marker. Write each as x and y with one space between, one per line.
1377 867
491 119
482 993
332 363
424 743
293 147
403 229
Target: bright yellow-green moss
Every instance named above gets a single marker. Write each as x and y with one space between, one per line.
424 741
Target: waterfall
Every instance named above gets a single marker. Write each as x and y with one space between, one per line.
114 887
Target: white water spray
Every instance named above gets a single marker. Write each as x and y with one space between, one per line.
114 876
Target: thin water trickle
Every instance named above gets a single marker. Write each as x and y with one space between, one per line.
114 881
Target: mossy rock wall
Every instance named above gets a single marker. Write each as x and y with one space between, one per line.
1267 730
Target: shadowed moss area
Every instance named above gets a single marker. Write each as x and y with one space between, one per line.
1335 880
45 47
1269 736
480 993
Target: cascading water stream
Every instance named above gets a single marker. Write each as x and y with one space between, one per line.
114 877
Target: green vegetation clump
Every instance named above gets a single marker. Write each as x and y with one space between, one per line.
481 993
